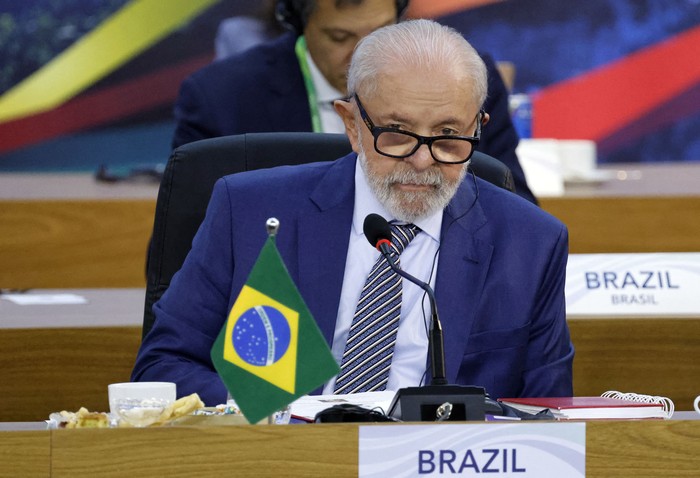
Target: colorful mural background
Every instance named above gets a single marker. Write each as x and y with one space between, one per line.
85 83
625 73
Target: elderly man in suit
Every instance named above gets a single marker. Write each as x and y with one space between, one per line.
497 263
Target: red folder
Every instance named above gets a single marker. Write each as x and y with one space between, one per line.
588 408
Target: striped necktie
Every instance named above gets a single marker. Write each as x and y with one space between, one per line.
370 345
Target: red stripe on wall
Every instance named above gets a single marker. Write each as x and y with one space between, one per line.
655 122
100 107
596 104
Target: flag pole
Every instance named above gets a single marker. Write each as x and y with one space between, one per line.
272 225
291 359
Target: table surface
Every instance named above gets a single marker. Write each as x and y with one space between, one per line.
104 308
623 448
641 179
34 426
48 186
625 179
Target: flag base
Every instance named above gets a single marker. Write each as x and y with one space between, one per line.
420 404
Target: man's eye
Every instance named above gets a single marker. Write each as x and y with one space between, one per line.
339 37
448 132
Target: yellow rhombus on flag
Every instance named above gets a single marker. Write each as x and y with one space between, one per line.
270 351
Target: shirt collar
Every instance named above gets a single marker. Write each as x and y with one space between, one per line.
366 203
325 93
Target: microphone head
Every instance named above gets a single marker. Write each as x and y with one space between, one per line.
376 228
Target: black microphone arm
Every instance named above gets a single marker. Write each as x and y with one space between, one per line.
424 403
436 343
379 235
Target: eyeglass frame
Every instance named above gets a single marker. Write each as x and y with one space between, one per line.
375 131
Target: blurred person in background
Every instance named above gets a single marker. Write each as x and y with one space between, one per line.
237 34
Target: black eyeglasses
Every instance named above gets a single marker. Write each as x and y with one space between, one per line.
397 143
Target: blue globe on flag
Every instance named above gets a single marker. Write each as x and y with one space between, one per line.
261 335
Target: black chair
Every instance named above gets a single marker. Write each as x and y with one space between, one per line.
193 169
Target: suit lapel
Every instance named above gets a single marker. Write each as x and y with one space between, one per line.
462 267
324 233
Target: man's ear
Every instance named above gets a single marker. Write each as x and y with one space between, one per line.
346 110
485 119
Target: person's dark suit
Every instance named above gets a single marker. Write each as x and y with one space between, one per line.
499 284
262 90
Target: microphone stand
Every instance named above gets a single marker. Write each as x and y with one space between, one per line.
425 403
436 342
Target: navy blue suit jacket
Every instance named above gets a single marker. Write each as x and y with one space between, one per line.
499 284
262 90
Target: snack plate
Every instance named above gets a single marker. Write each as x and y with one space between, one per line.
56 421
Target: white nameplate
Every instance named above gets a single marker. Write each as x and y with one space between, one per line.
514 450
633 284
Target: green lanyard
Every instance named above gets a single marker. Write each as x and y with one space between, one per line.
300 50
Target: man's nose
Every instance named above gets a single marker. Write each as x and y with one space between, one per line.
422 159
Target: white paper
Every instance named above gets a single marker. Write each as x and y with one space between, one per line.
44 299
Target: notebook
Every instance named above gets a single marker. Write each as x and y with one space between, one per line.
610 405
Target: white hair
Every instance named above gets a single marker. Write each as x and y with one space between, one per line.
420 45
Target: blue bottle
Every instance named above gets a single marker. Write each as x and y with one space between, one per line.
520 106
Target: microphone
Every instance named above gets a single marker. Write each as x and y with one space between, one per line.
424 403
378 233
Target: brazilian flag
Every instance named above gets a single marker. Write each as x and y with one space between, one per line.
270 351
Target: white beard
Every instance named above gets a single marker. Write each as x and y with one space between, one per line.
410 206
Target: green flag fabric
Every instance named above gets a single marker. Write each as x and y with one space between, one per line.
270 351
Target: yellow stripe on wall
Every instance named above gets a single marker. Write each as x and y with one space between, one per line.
121 37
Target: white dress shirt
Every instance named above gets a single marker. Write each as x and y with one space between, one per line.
409 362
325 95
